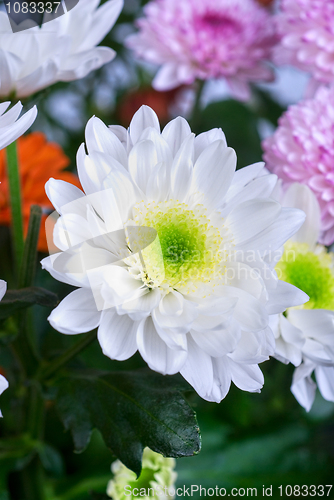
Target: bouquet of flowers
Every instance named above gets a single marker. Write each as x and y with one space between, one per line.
151 283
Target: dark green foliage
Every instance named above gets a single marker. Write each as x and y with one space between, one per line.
131 410
14 300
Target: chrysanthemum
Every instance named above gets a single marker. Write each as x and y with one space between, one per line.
11 126
63 49
302 150
305 334
306 29
171 250
204 40
38 161
157 479
3 381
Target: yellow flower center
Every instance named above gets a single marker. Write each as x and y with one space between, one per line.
187 247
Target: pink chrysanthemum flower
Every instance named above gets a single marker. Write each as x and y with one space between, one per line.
206 39
302 150
306 28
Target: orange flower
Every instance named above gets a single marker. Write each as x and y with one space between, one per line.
38 161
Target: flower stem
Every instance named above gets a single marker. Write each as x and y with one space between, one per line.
28 267
24 345
195 119
31 481
53 366
15 202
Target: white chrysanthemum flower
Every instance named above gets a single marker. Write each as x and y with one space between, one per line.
63 49
3 381
157 479
196 300
305 334
11 126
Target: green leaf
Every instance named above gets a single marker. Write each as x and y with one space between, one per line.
131 410
14 300
52 460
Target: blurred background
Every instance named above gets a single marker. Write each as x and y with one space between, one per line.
248 440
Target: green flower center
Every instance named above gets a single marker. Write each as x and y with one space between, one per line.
187 247
309 271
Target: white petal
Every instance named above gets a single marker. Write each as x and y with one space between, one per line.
163 151
172 304
77 313
220 342
258 188
100 138
158 184
252 348
70 230
121 133
103 20
155 352
303 388
177 341
119 286
283 296
273 238
241 275
142 306
11 132
247 377
198 370
175 133
117 335
182 170
3 107
175 312
251 217
3 288
289 345
50 264
61 193
314 323
221 379
318 353
3 387
142 160
169 76
301 196
214 323
124 192
244 176
213 172
325 380
3 384
202 141
145 117
249 311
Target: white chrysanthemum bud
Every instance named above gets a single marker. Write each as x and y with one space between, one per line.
157 479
